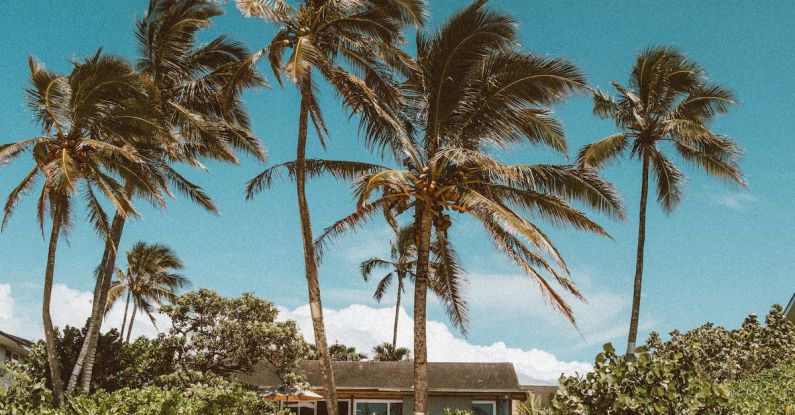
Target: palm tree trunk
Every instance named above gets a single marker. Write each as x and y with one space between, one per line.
633 323
422 223
49 332
124 319
132 320
397 311
85 360
313 285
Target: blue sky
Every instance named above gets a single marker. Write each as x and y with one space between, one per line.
724 253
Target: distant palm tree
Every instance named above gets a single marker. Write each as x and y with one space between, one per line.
668 100
402 267
149 281
196 91
91 121
343 353
473 92
354 45
386 352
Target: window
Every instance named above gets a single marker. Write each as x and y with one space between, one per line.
484 407
317 408
343 407
379 407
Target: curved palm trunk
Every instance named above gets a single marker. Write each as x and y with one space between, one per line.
124 318
633 323
117 228
132 320
86 358
313 285
422 222
397 310
49 332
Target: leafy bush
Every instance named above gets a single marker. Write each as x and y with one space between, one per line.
226 399
118 364
647 384
766 393
721 355
21 393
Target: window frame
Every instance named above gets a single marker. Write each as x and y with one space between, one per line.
493 405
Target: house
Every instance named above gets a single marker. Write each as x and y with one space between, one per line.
789 312
13 348
385 388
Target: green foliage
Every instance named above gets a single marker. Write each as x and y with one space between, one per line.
448 411
721 355
224 398
385 352
766 393
337 352
22 393
647 384
222 336
117 365
531 406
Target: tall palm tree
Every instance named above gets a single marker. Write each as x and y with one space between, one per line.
196 90
149 281
91 122
353 45
668 100
386 352
402 267
475 91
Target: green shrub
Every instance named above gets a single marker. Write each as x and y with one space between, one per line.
21 393
228 399
648 384
766 393
723 355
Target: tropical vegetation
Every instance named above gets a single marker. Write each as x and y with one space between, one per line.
115 133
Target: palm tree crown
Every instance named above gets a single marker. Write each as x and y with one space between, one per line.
386 352
668 100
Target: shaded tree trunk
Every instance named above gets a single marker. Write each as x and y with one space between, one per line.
312 282
397 310
86 358
49 332
132 320
422 223
633 322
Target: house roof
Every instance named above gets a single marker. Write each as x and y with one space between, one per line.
789 312
14 343
443 377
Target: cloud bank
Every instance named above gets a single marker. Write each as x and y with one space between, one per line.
363 327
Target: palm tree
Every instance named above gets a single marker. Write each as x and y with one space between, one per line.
149 281
91 121
322 36
343 353
386 352
475 91
668 100
196 90
402 266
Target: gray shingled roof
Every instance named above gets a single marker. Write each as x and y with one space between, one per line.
397 376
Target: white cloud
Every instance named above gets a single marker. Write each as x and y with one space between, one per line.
363 327
736 201
68 307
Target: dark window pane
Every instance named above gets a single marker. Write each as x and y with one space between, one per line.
483 408
371 408
396 408
343 408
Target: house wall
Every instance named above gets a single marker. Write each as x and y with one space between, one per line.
3 354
